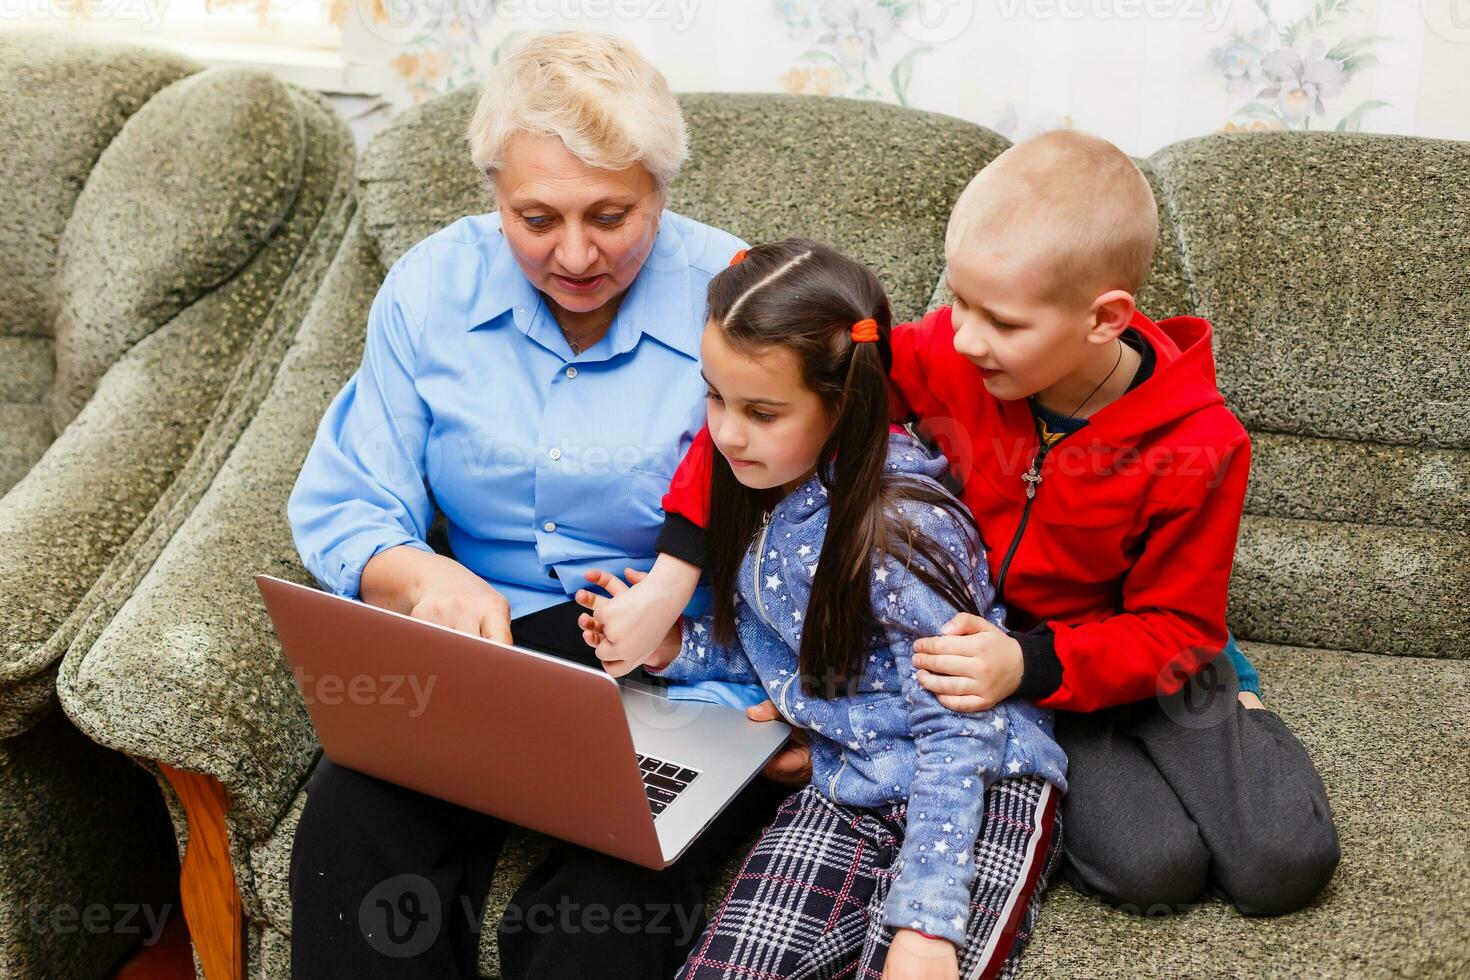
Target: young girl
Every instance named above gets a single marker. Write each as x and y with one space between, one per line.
925 839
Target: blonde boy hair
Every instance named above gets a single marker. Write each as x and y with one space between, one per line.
1070 200
595 92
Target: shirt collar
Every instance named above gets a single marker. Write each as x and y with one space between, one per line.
504 288
660 302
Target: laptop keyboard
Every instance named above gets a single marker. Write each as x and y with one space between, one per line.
663 781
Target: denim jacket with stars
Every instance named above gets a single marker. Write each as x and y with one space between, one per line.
890 741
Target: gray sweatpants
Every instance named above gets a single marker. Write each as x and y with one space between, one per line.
1175 798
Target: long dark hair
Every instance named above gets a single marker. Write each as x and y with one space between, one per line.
804 296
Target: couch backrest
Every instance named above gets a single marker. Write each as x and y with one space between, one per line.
1335 268
186 194
64 103
185 261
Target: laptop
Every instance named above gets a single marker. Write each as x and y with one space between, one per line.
526 736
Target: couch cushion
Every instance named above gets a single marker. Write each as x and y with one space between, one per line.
1352 586
1334 268
1388 735
1165 292
65 101
1362 482
878 184
193 187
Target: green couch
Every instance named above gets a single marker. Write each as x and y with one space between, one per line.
1265 234
162 228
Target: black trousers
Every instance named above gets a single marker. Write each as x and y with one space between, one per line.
1176 798
388 882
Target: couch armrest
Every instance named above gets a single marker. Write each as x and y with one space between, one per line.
70 516
87 519
189 671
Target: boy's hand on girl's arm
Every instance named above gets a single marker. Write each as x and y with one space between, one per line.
915 956
792 766
647 639
973 666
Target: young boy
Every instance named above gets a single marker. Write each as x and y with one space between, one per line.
1107 478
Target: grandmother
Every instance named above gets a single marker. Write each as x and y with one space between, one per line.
534 373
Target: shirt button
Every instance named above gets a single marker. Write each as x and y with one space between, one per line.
549 526
571 372
555 454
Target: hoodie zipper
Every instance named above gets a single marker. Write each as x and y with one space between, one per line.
832 782
1032 479
760 550
760 606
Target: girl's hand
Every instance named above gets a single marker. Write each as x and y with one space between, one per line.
974 666
635 622
792 766
914 956
635 649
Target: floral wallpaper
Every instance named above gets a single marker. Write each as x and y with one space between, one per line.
1295 70
1141 72
853 48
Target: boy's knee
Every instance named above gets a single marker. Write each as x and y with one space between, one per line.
1280 879
1167 877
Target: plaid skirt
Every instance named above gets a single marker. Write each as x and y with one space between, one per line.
808 902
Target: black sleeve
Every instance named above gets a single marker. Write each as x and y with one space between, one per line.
1041 671
681 538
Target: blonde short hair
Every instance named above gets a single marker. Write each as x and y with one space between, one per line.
595 92
1074 201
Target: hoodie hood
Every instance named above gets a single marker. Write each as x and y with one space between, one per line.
1182 384
905 455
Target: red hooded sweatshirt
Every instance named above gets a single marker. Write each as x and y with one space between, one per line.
1111 549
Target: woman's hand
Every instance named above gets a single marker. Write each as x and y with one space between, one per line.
915 956
792 766
451 595
974 666
635 624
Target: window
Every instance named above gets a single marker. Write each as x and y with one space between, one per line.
298 40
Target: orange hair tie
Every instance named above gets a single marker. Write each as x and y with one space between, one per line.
739 256
865 331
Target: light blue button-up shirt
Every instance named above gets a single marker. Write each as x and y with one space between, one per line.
545 463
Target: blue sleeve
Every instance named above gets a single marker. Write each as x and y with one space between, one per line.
700 658
362 488
1250 679
959 755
